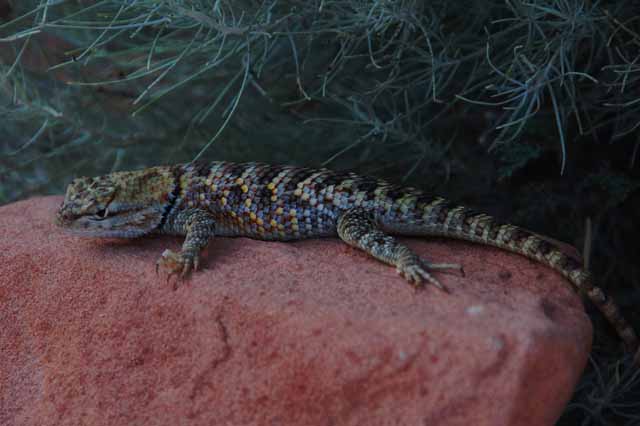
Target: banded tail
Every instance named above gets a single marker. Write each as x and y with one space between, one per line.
418 216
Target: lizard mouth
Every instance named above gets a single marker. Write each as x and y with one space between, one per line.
110 223
89 227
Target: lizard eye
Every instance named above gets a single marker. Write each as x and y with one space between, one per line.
101 214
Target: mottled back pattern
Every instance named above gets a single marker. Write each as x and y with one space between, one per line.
261 201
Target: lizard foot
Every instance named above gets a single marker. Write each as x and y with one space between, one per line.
416 272
178 263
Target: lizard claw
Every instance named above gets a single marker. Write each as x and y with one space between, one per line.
180 264
416 272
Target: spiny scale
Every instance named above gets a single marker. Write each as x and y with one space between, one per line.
288 203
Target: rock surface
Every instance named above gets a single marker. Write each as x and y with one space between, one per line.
305 333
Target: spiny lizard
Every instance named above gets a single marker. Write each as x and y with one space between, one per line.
284 203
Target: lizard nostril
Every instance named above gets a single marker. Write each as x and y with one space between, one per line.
62 216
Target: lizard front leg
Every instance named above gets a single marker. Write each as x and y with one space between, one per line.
357 228
198 226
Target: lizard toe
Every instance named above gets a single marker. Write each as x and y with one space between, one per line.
416 274
180 264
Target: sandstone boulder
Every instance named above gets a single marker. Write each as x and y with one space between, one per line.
303 333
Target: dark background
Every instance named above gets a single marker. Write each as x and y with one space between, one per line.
524 109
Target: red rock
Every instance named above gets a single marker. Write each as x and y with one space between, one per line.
305 333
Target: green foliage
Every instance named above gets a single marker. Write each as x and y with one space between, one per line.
526 108
618 187
395 70
606 396
514 156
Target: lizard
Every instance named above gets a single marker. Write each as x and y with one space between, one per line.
283 203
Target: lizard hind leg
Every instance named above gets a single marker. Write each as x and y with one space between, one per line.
357 228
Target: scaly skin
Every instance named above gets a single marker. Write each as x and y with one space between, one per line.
289 203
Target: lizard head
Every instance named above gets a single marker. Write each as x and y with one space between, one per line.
121 205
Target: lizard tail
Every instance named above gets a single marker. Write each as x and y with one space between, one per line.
437 218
